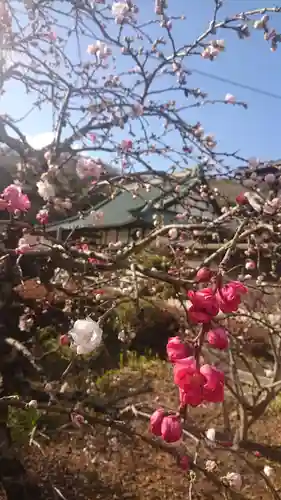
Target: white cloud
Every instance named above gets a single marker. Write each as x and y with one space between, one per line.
40 141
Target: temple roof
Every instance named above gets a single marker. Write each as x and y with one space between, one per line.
129 205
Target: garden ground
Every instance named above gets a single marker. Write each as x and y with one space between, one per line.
102 464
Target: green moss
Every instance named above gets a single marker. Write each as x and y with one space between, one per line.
133 368
21 422
160 262
275 405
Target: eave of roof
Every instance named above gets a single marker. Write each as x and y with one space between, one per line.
124 208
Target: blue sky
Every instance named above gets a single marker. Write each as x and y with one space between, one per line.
256 131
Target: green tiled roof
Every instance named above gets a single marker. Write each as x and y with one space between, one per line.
124 209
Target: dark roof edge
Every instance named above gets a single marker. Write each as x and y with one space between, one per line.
191 182
76 217
105 226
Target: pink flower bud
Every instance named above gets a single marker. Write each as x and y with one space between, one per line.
184 463
250 265
77 419
126 145
42 216
204 275
156 420
241 199
64 340
176 349
230 99
171 429
218 338
92 137
257 454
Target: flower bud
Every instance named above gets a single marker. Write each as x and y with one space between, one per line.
218 338
234 480
184 463
171 429
32 404
250 265
241 199
268 471
176 349
211 434
64 340
173 233
156 420
204 275
230 99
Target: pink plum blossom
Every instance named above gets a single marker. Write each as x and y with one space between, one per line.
126 145
43 216
204 305
214 384
171 429
17 201
218 338
204 275
156 420
187 375
86 167
229 296
176 349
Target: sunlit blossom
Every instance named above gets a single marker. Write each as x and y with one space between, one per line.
86 335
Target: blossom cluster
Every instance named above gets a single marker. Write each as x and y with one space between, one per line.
14 200
208 302
199 382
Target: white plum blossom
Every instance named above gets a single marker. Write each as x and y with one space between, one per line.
32 404
23 246
32 243
211 465
211 434
121 12
173 233
268 471
255 201
269 373
122 336
234 480
102 50
86 335
45 189
271 207
87 167
25 323
97 215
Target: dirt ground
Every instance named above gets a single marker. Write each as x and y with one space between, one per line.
104 464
